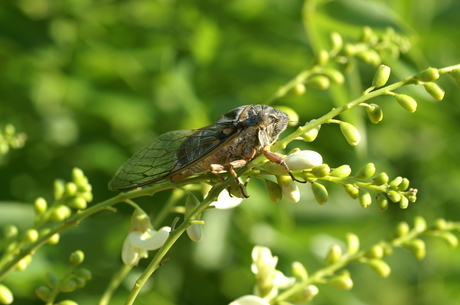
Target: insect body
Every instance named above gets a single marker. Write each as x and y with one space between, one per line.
236 138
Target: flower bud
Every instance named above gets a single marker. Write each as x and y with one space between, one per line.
58 189
428 75
351 190
335 76
334 255
402 229
375 251
366 172
68 285
60 213
404 202
456 75
404 185
336 41
10 231
352 241
83 273
407 102
80 282
43 293
297 90
381 76
382 202
40 206
350 133
289 188
76 258
23 263
195 232
273 190
30 236
394 196
78 176
341 282
52 279
70 189
394 184
342 171
67 302
369 56
450 238
440 224
311 135
375 113
54 239
367 34
322 57
304 159
381 179
434 90
380 266
365 198
319 82
76 202
292 114
419 224
417 248
320 192
6 296
299 272
349 49
321 170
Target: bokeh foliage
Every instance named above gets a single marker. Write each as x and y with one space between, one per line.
90 82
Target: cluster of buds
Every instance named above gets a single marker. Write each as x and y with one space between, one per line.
73 279
10 139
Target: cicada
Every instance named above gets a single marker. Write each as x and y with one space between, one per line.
236 138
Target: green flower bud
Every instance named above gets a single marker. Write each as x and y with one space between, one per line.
375 251
68 285
402 229
10 231
404 202
60 213
367 34
387 249
381 179
369 56
59 187
456 75
292 114
43 293
299 272
336 41
381 76
273 190
375 113
78 177
341 282
195 232
321 170
319 82
320 192
54 239
350 133
381 267
417 248
88 196
335 76
419 224
4 147
428 75
80 282
349 49
450 238
77 202
289 188
334 255
440 224
76 258
23 263
366 172
311 135
394 184
394 196
352 241
382 202
352 190
274 169
67 302
51 279
40 206
30 236
404 185
6 296
342 171
83 273
365 198
297 90
407 102
306 159
70 189
322 58
434 90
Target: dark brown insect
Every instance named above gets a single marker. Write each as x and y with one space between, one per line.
236 138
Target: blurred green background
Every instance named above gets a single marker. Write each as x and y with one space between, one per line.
90 82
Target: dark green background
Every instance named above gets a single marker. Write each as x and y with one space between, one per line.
90 82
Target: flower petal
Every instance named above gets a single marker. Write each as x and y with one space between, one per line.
149 240
250 300
224 201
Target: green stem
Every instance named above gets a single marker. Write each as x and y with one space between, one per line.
114 283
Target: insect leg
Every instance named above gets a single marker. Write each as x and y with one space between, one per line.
278 159
231 169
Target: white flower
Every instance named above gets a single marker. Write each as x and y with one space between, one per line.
224 201
137 244
303 159
250 300
289 188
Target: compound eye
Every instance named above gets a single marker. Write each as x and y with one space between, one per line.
262 116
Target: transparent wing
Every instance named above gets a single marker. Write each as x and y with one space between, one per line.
170 153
